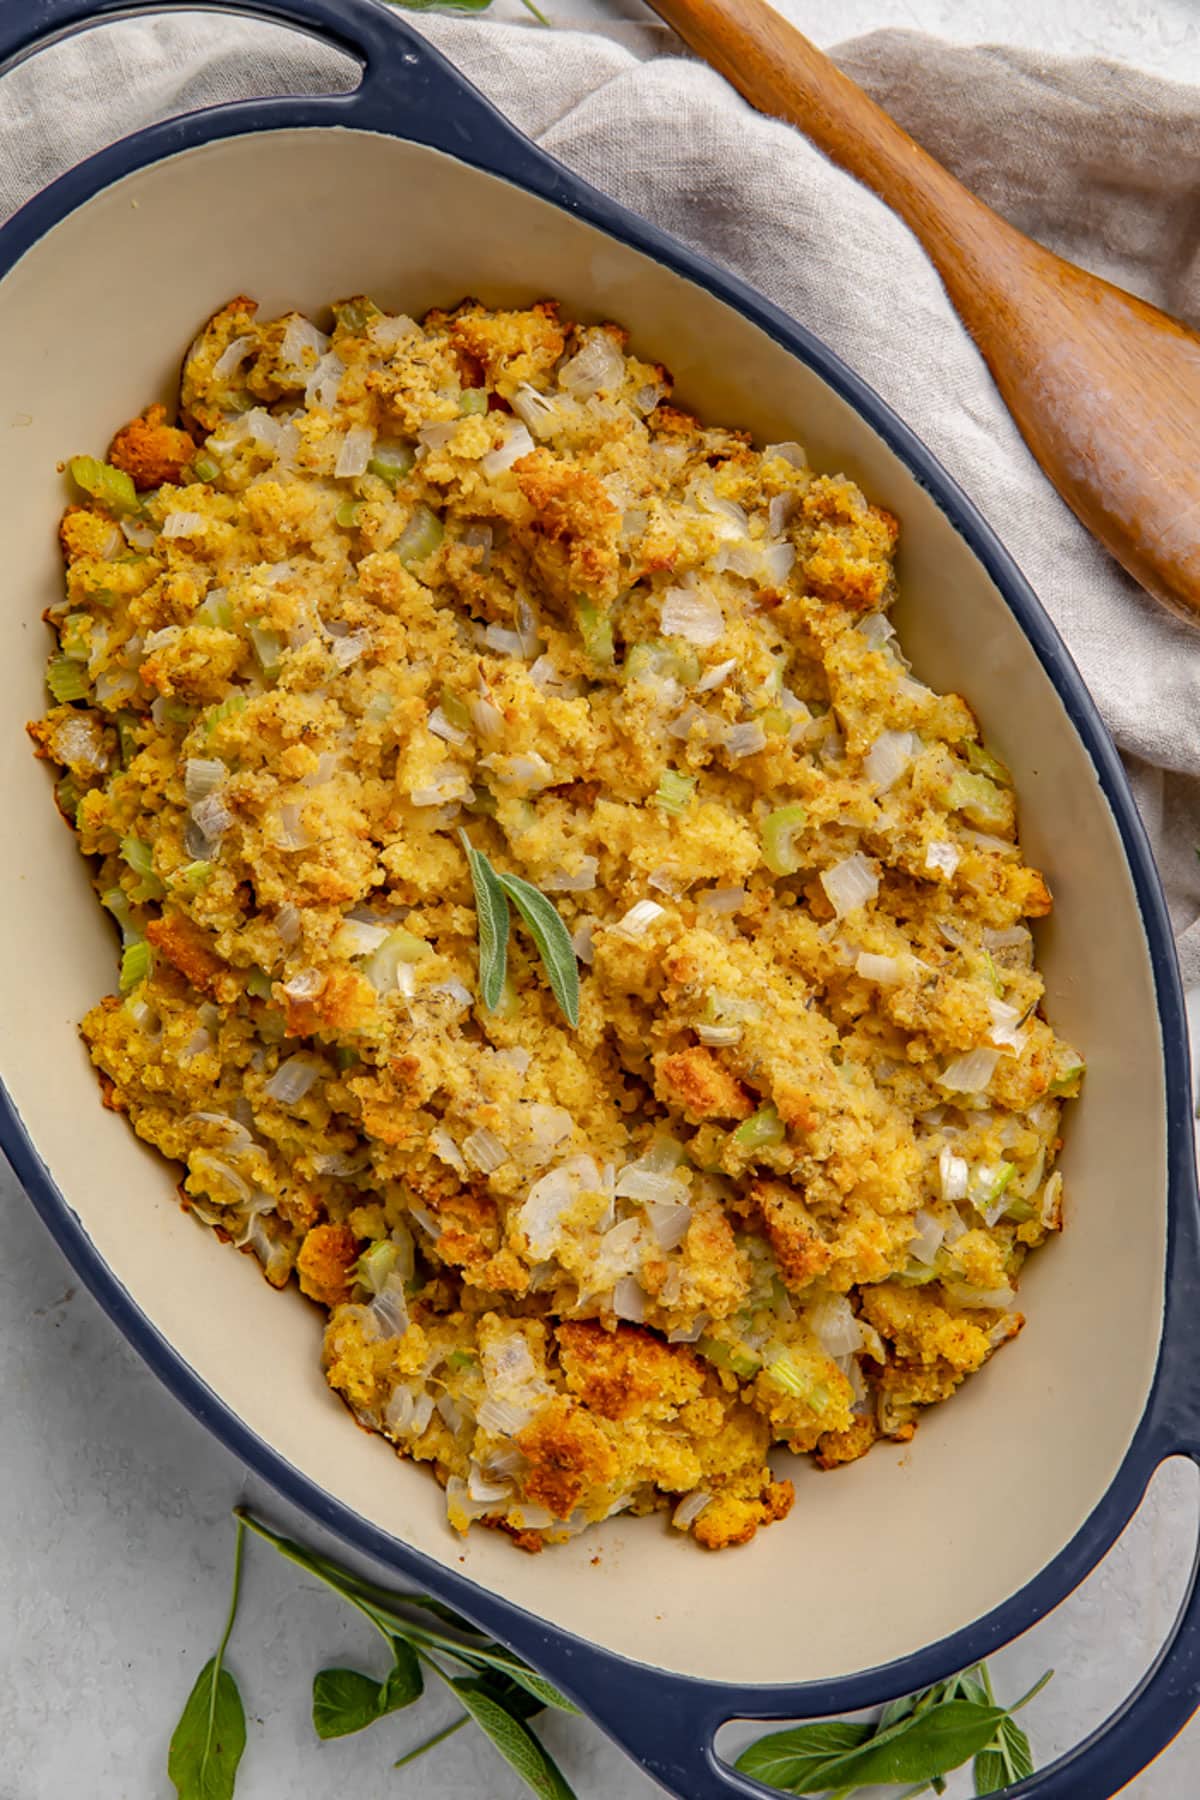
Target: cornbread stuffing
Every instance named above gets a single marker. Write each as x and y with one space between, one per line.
396 588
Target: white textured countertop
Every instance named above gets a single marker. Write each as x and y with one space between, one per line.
114 1504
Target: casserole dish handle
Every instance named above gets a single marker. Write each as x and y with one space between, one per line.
407 88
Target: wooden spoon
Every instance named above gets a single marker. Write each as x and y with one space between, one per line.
1104 387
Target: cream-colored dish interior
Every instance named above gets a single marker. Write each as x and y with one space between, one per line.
879 1558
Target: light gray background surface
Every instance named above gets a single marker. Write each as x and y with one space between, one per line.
114 1530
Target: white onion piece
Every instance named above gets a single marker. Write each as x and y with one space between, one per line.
638 920
536 410
391 329
745 740
777 561
487 719
723 900
183 524
789 452
690 1508
927 1239
299 335
887 971
441 727
305 984
717 676
638 1182
481 1488
691 615
689 1334
779 511
540 1217
390 1309
504 641
954 1174
447 1151
483 1149
292 1079
719 1037
889 756
232 357
559 881
358 446
629 1300
583 943
850 884
518 443
942 858
970 1074
437 436
321 388
836 1329
287 923
1000 1298
1005 1022
669 1224
356 938
350 648
597 366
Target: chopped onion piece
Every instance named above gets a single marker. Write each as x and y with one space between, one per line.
518 443
306 984
629 1299
669 1224
689 1509
536 410
836 1329
356 938
888 971
597 366
789 452
540 1217
441 727
942 858
487 720
480 1488
201 774
299 335
183 524
484 1150
688 1334
691 615
638 920
717 676
292 1079
358 447
1005 1023
287 923
447 1151
583 943
927 1238
953 1173
970 1074
723 900
850 884
719 1036
391 329
321 388
559 881
1000 1298
212 816
889 756
232 357
390 1309
745 740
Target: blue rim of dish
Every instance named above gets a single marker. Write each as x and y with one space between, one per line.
608 1685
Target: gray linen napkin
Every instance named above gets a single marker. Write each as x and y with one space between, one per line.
1096 160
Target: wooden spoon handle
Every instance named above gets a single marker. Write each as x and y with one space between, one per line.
1104 388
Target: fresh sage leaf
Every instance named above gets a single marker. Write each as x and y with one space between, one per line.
1005 1761
784 1759
344 1701
206 1745
491 910
515 1742
929 1744
552 939
537 1685
991 1776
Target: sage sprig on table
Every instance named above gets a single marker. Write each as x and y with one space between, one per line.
493 891
462 6
918 1740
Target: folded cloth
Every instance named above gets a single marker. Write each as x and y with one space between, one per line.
1093 159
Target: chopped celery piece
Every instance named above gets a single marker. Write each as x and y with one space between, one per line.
656 661
345 1057
595 628
736 1361
73 638
194 876
66 679
205 468
391 461
456 710
784 1373
984 763
140 858
1066 1082
779 838
992 973
917 1274
775 722
463 1359
400 947
1020 1210
483 805
761 1129
980 799
68 797
215 610
376 1264
113 487
378 708
268 648
347 513
674 791
258 983
996 1186
177 712
420 537
116 901
473 400
137 960
127 724
228 709
355 314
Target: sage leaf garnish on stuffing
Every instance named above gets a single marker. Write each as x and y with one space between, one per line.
916 1740
207 1744
493 890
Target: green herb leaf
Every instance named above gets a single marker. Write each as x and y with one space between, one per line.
515 1742
538 1686
346 1700
784 1759
491 909
206 1745
917 1749
551 937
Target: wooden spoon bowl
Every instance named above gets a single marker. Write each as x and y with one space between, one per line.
1104 388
